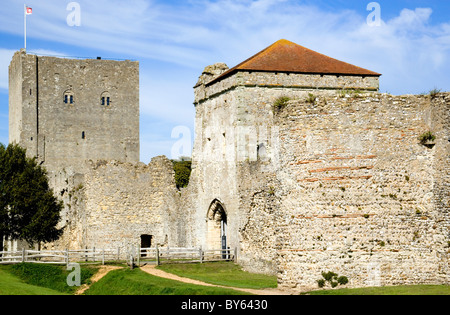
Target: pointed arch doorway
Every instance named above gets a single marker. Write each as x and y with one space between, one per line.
216 237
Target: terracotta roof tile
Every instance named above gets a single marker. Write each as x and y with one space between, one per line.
286 56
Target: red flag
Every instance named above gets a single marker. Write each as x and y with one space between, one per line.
29 11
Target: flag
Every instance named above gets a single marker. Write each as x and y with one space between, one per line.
29 11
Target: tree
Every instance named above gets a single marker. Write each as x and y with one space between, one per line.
182 172
28 209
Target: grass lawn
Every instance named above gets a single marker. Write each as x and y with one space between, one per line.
397 290
12 285
138 282
49 278
222 273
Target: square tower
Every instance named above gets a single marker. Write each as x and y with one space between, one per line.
67 111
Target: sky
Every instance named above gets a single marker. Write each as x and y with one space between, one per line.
407 41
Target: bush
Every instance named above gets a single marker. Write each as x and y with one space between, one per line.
182 172
427 136
311 99
332 278
281 102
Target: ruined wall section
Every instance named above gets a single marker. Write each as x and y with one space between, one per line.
114 203
125 201
358 191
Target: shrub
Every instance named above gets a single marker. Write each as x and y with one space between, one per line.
182 172
281 102
427 136
332 278
435 92
343 280
311 99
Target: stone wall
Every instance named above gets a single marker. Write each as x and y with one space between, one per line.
114 203
335 182
358 191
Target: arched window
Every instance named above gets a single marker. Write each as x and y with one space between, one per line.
69 97
105 99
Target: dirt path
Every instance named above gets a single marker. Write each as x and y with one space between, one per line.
103 271
160 273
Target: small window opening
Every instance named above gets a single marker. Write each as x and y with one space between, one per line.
69 97
83 135
105 99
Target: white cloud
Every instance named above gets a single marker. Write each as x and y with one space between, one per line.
5 59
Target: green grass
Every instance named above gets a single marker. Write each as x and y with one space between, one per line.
47 276
394 290
12 285
222 273
138 282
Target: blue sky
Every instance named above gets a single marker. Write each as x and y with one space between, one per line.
175 40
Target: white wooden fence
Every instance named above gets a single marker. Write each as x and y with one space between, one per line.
184 255
58 256
157 255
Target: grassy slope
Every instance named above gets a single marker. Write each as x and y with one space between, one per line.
12 285
46 276
222 273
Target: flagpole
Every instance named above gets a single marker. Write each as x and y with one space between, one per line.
25 24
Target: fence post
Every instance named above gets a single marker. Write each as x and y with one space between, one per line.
139 256
235 255
157 255
118 253
201 254
67 257
23 255
103 257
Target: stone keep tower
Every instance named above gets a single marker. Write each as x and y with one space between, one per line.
66 111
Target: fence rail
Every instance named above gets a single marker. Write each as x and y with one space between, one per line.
157 255
184 255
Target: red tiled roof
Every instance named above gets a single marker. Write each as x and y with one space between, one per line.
286 56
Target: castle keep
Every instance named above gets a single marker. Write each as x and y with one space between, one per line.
66 111
298 163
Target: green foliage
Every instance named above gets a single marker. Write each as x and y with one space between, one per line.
332 278
28 209
427 136
182 170
434 92
311 99
281 102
